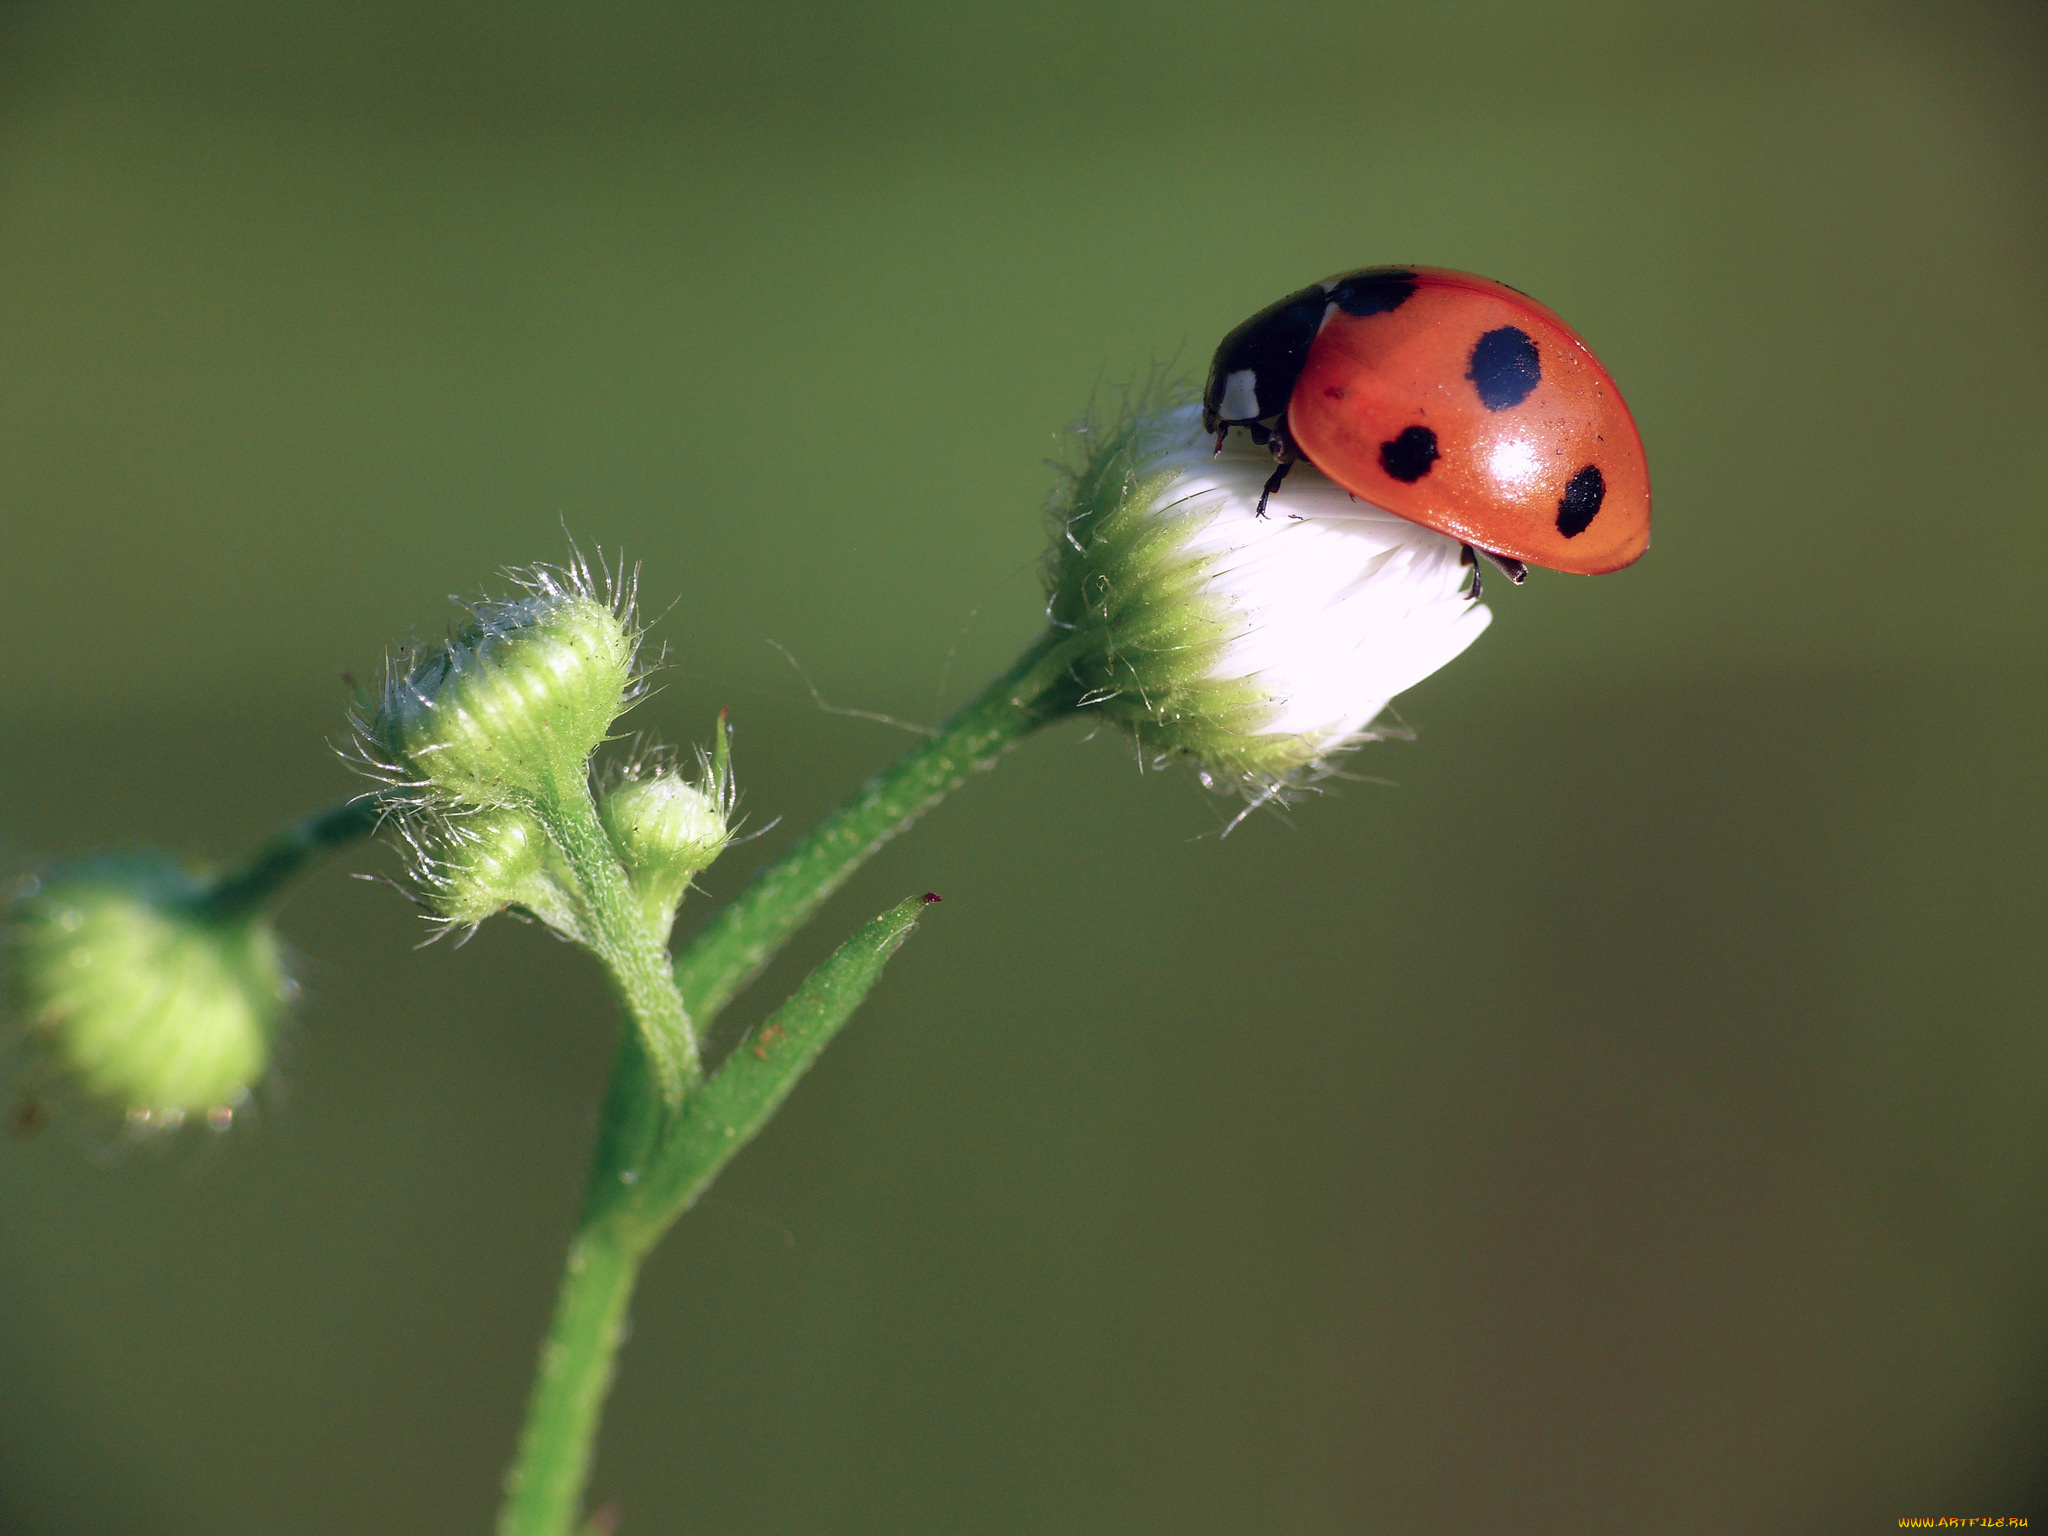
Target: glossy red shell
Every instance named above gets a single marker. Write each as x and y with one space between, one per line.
1514 478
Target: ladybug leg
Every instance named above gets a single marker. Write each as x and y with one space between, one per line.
1273 484
1504 564
1509 567
1285 451
1513 569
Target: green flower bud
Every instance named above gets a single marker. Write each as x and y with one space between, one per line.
1254 646
148 1001
510 709
472 866
666 829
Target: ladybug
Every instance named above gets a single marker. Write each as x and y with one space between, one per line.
1455 402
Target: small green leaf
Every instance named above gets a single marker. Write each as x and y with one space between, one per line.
729 1110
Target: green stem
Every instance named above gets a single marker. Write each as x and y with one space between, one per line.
745 935
242 888
730 1110
546 1483
649 1166
632 955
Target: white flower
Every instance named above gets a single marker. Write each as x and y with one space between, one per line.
1339 605
1256 646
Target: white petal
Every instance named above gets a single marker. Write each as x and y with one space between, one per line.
1340 605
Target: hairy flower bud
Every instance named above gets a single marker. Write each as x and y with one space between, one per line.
472 866
666 829
139 993
511 707
1254 646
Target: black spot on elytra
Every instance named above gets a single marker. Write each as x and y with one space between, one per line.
1581 503
1408 457
1505 368
1375 291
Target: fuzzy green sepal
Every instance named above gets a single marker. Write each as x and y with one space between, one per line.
1121 573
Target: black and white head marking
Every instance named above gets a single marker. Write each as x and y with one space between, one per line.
1257 365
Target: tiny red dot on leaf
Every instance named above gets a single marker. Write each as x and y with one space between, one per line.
930 897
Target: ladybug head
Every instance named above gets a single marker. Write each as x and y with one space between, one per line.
1252 375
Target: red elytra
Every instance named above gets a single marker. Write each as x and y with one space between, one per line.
1449 400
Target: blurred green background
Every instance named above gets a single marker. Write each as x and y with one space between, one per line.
1629 1119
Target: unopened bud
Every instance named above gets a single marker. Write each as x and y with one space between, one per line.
472 866
665 830
510 709
148 1001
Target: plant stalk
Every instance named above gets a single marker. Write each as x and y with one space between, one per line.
744 935
545 1485
649 1166
242 888
633 957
